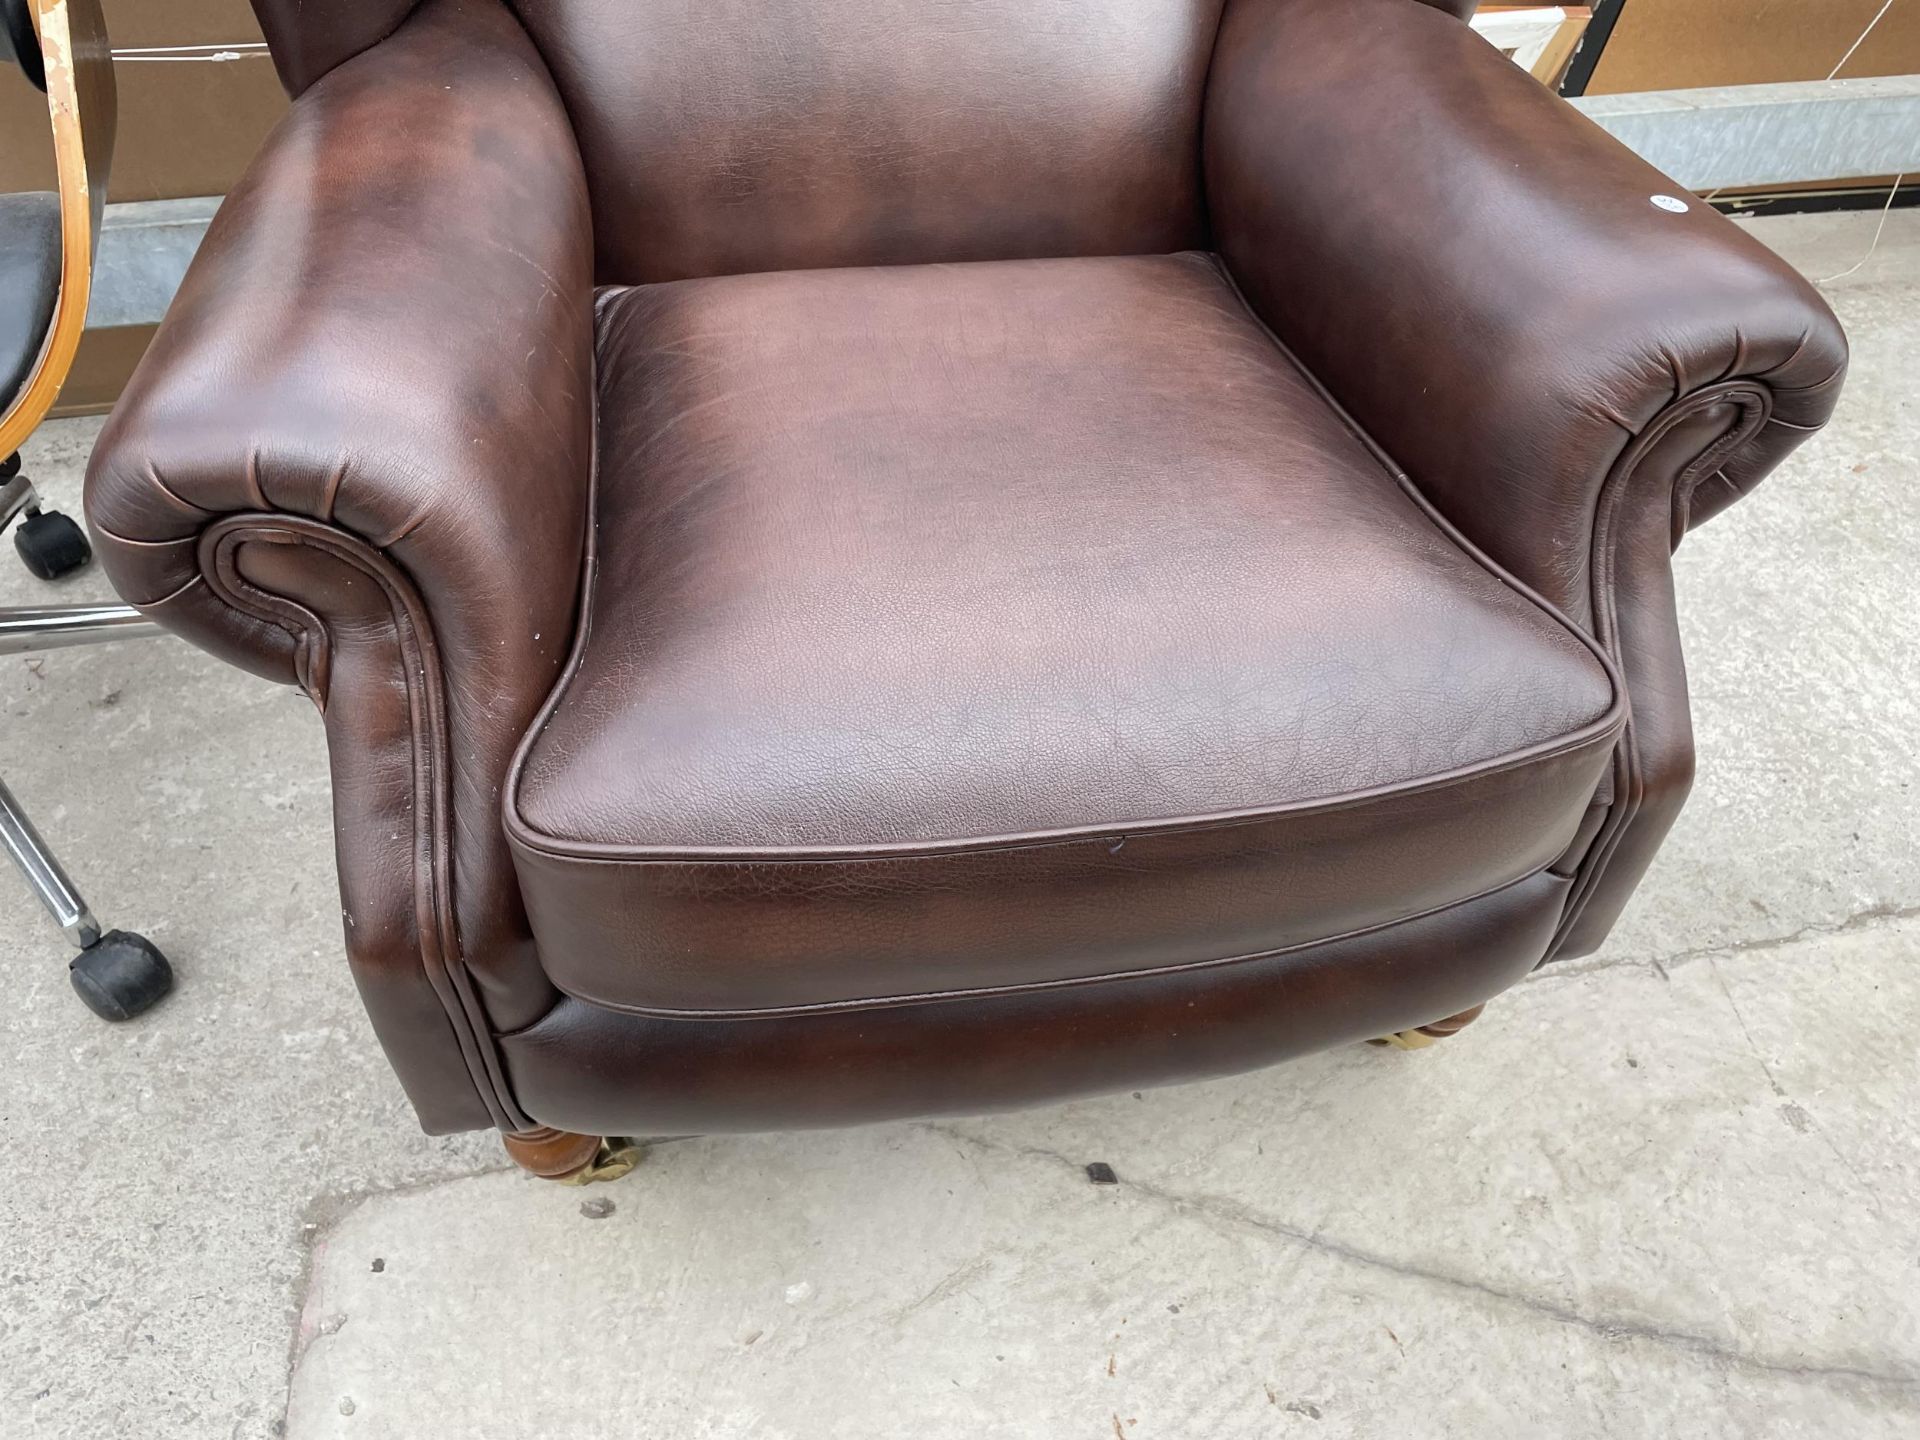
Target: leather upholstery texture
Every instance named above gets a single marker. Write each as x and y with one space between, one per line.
1612 372
1060 629
905 558
336 467
740 135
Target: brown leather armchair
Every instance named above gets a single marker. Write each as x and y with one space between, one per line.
861 560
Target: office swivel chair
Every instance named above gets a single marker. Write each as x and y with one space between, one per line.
46 257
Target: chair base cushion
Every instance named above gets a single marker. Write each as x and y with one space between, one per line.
984 629
600 1071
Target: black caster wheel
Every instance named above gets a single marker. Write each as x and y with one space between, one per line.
120 975
51 545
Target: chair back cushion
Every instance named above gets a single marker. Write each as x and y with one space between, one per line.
723 136
308 40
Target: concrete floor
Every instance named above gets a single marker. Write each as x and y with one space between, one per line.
1667 1191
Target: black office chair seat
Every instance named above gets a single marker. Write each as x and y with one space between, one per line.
29 282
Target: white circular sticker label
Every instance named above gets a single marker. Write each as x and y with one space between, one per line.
1672 203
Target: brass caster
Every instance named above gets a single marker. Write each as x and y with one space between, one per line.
615 1156
572 1159
1407 1040
1422 1036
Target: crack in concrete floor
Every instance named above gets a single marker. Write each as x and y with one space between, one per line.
1891 1378
322 1214
1873 915
1773 1083
1883 1375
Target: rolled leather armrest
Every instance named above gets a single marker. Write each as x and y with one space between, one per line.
1571 358
1485 281
357 457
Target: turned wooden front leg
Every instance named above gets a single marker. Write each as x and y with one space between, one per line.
571 1159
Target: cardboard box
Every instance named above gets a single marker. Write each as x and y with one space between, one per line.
187 127
1690 44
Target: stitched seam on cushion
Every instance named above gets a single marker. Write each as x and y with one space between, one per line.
523 835
596 853
587 852
604 300
437 942
1107 977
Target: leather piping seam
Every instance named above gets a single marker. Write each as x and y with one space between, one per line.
434 925
1069 982
1755 400
603 298
1590 736
1606 726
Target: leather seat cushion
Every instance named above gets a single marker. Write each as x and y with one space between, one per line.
965 628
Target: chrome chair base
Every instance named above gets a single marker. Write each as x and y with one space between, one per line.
28 628
117 973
